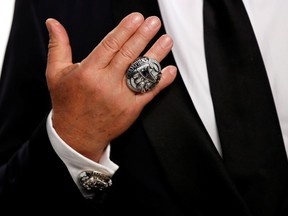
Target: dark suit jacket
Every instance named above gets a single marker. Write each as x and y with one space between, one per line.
168 163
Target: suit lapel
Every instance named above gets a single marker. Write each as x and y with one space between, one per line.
199 173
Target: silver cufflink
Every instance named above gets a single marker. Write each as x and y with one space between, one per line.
94 180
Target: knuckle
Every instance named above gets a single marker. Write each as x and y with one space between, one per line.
128 53
110 43
144 35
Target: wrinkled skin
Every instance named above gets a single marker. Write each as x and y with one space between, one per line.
91 101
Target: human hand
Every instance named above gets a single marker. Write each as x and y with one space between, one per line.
91 101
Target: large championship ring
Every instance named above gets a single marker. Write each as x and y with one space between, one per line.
143 74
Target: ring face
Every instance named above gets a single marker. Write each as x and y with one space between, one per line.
143 74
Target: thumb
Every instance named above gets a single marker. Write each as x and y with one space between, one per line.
59 50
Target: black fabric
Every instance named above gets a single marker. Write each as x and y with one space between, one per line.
250 135
168 165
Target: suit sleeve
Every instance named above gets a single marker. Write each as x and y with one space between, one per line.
30 171
24 98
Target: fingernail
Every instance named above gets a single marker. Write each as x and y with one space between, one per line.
172 70
137 18
153 23
166 42
54 25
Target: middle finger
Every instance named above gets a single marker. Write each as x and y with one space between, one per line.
136 44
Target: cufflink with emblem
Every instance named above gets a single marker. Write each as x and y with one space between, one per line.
94 180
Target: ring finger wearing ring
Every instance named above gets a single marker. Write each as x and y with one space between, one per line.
143 74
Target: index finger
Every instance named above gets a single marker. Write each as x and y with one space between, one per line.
114 40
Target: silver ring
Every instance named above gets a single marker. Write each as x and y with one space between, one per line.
143 74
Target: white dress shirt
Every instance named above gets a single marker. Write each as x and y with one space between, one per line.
6 15
183 21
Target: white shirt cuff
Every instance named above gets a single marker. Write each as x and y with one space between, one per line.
75 162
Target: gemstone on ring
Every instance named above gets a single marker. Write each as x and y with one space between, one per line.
143 74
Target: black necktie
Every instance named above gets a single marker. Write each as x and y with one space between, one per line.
251 140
